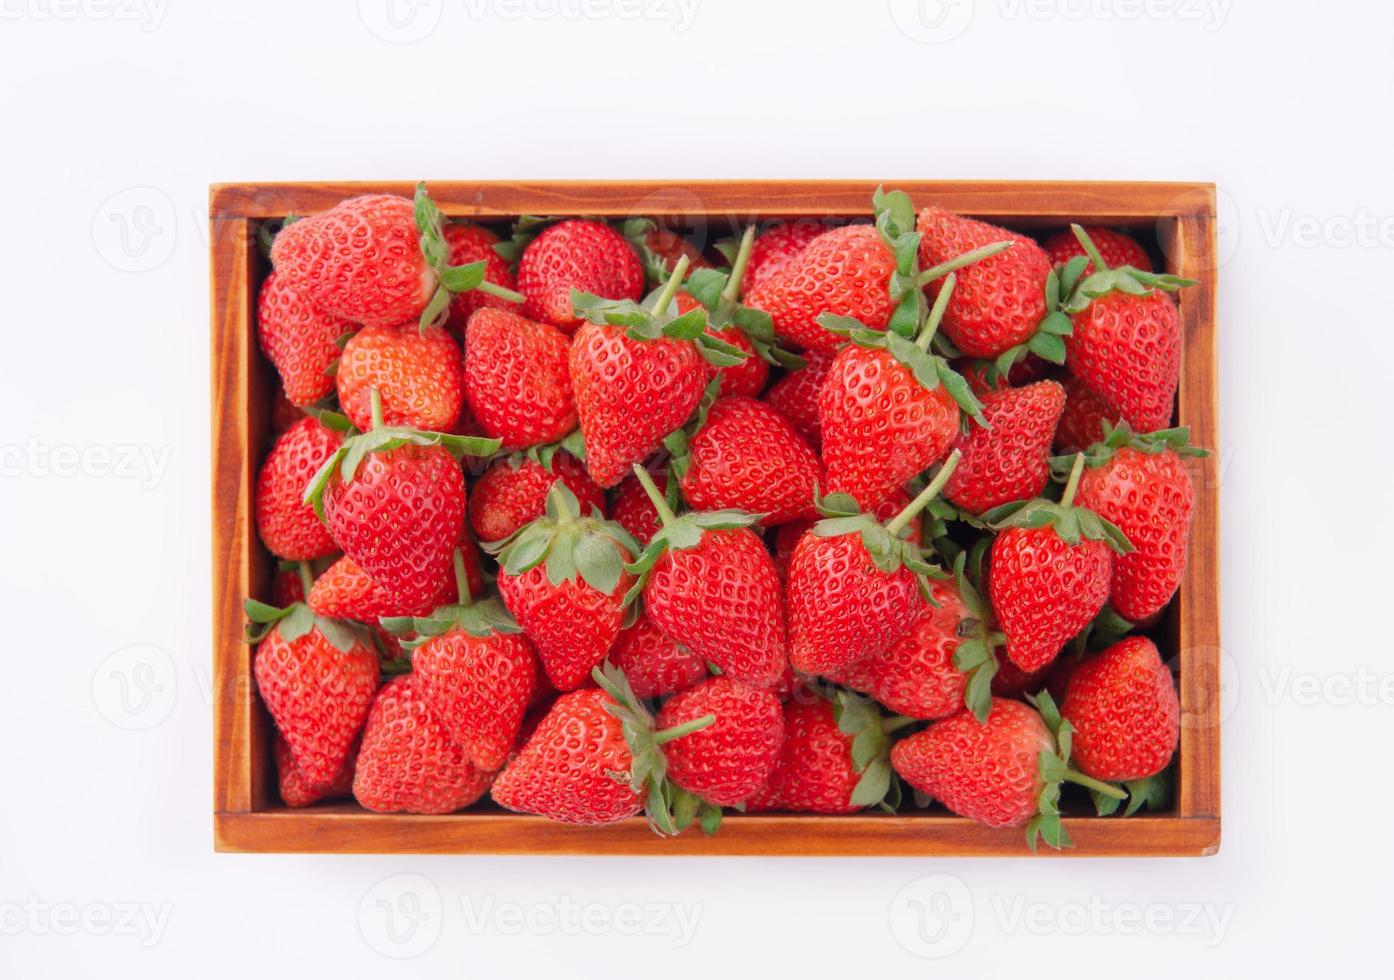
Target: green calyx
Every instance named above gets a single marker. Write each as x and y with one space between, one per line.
1121 436
1053 765
525 229
720 293
677 533
871 732
545 453
884 542
930 370
568 545
976 654
297 620
384 438
1071 523
483 618
451 279
1077 295
648 774
1154 792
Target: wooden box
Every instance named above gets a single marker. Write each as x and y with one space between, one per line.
1176 221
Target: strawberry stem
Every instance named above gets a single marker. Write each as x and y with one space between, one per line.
1090 248
907 515
560 504
1068 498
732 293
375 407
494 289
941 302
660 504
1080 779
686 728
670 288
307 578
462 579
958 262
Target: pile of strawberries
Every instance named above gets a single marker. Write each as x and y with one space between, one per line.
594 524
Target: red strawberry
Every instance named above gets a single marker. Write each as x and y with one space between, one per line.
844 272
1000 300
1126 343
378 260
296 790
283 413
1010 459
419 374
517 379
889 410
345 591
654 665
317 678
1140 483
632 509
777 245
474 243
563 577
576 766
586 256
1082 421
637 375
476 674
1050 570
727 762
1126 716
916 677
1116 248
513 491
796 395
287 525
1010 681
854 583
748 457
408 762
709 584
816 771
287 586
660 248
299 341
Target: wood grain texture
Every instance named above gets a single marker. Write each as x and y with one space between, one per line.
1179 217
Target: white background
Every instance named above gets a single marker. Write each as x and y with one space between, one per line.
1284 105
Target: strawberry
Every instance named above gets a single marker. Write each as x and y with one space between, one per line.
345 591
727 762
287 586
1009 459
853 587
1002 772
581 256
287 525
817 770
1140 483
637 375
297 791
394 500
795 395
563 577
418 373
632 509
660 248
1116 248
513 491
1125 345
476 674
654 665
916 676
1001 300
408 762
1126 716
470 243
379 260
283 413
317 677
517 379
746 456
1050 570
709 584
1082 421
844 272
777 245
301 342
